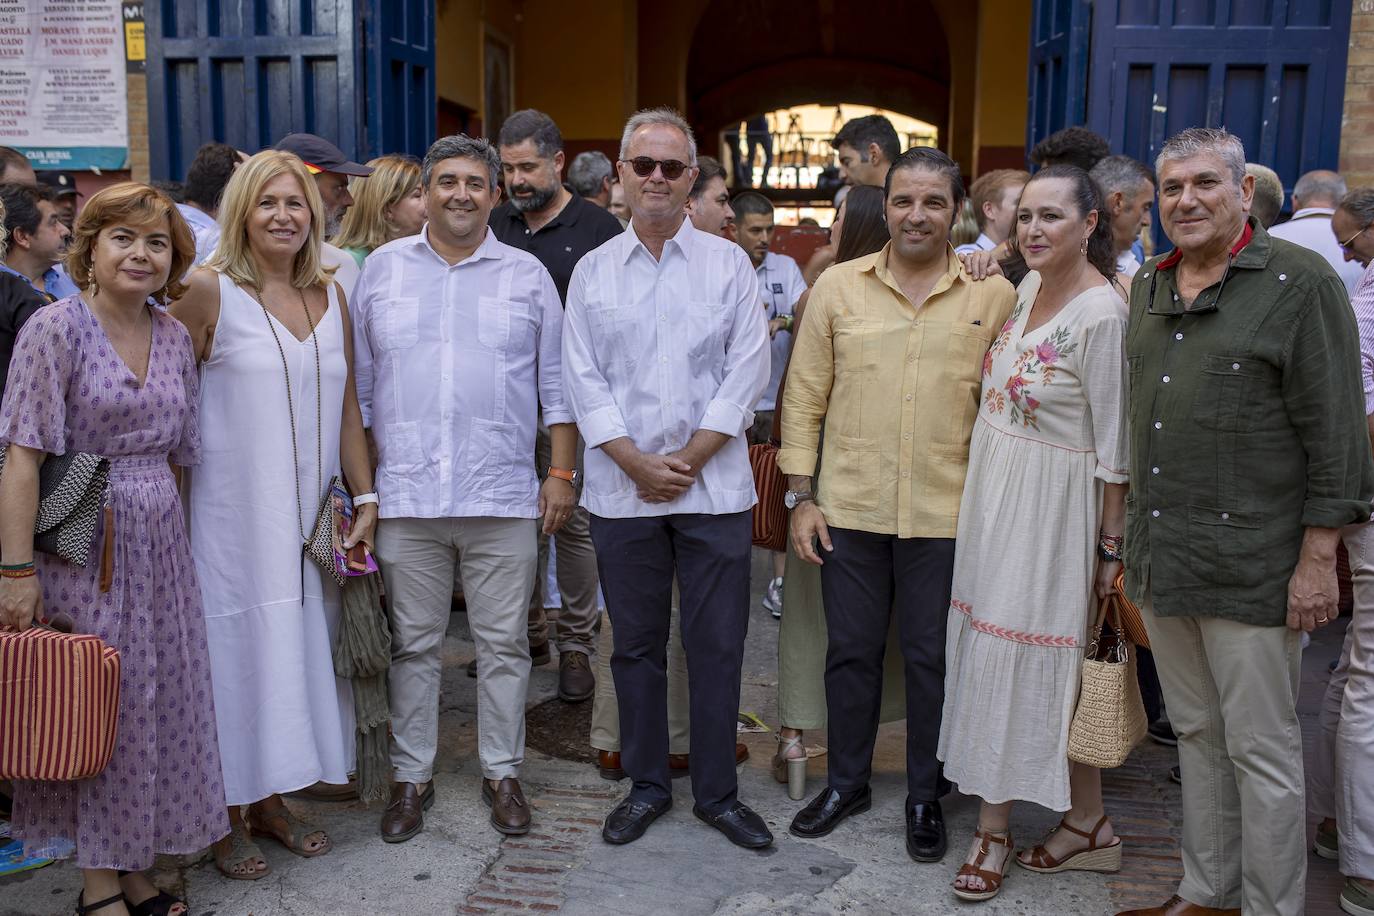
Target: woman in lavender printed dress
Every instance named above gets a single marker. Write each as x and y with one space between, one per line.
105 372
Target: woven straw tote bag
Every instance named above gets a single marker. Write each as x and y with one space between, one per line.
1109 720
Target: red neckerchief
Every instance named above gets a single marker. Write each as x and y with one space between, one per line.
1177 255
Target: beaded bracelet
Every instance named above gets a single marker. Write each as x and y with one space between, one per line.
18 573
1109 546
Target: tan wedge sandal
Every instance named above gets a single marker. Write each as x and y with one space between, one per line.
1105 858
992 880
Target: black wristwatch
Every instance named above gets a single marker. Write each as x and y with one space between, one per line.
793 498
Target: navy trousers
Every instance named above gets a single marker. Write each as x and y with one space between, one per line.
710 557
867 578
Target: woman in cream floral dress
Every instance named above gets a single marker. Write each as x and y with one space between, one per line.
1046 484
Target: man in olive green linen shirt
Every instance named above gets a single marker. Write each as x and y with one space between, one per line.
889 358
1247 457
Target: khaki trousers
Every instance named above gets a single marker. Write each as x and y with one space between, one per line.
606 712
1231 690
1341 781
575 563
417 557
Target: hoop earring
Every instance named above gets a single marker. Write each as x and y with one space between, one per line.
1084 249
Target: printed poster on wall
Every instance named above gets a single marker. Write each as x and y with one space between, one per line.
62 83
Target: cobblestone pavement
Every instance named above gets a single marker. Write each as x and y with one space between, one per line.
460 865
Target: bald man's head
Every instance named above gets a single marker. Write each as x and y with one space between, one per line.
1320 188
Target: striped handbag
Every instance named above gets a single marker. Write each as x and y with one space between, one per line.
770 515
59 704
1132 624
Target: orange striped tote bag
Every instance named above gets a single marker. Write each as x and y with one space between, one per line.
770 515
59 704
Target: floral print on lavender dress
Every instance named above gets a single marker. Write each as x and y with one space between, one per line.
162 791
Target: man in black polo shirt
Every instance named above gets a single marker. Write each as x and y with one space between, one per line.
540 215
558 227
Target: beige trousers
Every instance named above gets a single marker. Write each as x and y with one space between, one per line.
606 714
418 556
1232 689
1341 781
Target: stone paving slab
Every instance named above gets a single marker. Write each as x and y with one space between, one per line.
681 867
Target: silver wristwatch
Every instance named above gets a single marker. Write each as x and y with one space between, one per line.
793 498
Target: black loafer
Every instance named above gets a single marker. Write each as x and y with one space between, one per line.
630 819
925 831
740 825
826 811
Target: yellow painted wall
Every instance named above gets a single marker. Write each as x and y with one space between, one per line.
1003 61
574 59
571 62
458 57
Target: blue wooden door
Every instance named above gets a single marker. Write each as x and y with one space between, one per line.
401 104
248 72
1270 71
1058 66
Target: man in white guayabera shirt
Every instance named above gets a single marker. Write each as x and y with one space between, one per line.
665 353
456 347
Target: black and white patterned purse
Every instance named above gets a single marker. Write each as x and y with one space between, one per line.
71 489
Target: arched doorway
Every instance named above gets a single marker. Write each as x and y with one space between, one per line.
752 56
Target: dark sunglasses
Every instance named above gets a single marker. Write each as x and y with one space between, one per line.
644 167
1199 307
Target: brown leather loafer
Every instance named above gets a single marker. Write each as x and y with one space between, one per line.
405 813
509 812
681 764
575 679
608 764
1177 906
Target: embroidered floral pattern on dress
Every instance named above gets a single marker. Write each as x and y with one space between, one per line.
1003 338
1038 363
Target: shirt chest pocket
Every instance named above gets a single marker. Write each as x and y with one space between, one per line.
504 325
858 344
615 334
395 323
705 328
965 349
1234 392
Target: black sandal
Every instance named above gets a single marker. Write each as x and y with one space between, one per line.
82 909
160 904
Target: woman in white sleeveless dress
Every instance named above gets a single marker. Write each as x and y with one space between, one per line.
266 319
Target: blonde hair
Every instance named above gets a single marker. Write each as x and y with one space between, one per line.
365 225
234 258
138 205
965 228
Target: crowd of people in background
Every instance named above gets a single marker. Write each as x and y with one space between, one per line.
994 408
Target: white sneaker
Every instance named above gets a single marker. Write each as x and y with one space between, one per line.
772 598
